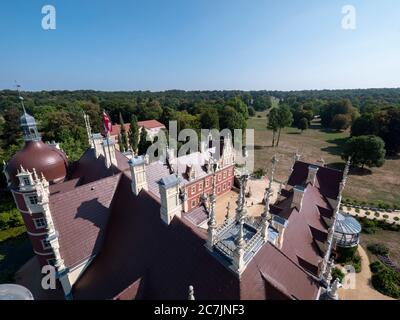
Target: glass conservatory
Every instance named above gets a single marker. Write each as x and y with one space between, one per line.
347 231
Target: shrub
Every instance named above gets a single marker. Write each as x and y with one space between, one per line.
376 214
396 218
376 266
259 173
367 213
356 262
357 210
346 254
387 282
385 216
337 274
378 248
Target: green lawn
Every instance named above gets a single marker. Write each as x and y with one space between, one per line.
381 184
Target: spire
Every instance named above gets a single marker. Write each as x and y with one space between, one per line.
265 216
21 99
212 223
28 123
191 293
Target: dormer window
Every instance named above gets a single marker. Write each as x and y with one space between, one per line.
27 181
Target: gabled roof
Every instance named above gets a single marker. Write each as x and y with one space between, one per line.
327 181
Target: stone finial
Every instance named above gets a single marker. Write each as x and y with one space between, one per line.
191 293
333 289
35 176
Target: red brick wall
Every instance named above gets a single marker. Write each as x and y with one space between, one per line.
224 183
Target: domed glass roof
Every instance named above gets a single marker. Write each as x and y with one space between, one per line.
346 224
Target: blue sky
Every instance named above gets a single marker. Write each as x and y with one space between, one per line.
199 44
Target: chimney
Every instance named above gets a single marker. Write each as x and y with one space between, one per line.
138 172
169 196
298 193
97 142
190 172
312 174
280 224
109 152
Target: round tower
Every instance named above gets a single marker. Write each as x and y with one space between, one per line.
29 174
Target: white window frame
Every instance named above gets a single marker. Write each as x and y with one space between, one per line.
200 185
193 203
40 225
45 244
27 181
193 190
219 189
224 186
207 183
35 199
219 177
224 174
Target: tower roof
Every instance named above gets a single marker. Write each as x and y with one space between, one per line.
27 120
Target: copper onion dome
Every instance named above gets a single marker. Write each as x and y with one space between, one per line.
46 159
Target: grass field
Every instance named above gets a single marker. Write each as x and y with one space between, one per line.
390 239
380 184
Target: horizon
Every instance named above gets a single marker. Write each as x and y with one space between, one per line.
200 46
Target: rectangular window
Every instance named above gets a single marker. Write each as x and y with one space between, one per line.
224 174
207 183
219 189
33 199
193 203
229 172
200 186
27 182
224 187
193 189
219 177
40 223
46 244
51 262
229 184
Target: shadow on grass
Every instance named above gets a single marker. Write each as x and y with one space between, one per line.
337 147
293 132
353 170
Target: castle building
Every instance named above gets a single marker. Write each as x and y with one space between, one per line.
116 226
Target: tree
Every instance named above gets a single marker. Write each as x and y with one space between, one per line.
342 107
143 143
231 119
239 106
134 134
273 123
11 129
285 119
365 125
123 138
365 151
303 124
340 122
252 112
262 103
209 119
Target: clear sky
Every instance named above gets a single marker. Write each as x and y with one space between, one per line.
199 44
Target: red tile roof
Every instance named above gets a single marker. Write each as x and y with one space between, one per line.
148 124
80 216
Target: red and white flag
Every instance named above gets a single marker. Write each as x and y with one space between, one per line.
107 123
